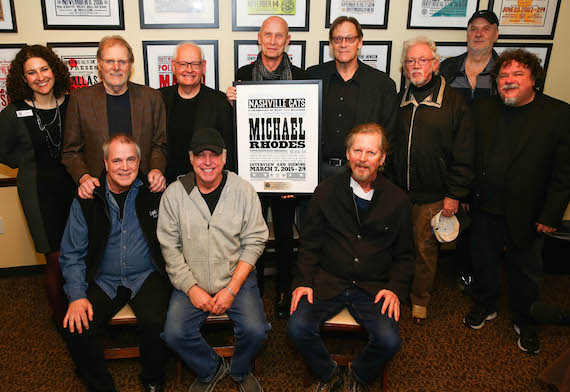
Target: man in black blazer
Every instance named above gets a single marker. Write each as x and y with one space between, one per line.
353 93
521 190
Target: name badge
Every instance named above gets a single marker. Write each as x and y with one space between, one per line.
24 113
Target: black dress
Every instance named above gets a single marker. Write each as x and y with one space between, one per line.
45 188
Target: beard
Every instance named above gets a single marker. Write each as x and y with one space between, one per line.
510 101
422 78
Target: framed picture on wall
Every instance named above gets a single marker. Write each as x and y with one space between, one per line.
7 17
441 14
158 60
83 15
7 54
248 15
371 14
373 53
542 50
81 60
179 14
245 52
532 20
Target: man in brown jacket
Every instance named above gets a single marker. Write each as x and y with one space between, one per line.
114 106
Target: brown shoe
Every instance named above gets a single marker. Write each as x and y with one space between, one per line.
333 385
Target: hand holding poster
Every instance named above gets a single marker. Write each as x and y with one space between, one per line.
278 134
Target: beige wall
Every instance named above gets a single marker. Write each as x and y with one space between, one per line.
15 245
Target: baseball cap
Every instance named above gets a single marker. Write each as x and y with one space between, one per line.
207 139
488 15
445 229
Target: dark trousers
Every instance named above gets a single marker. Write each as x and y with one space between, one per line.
149 305
490 237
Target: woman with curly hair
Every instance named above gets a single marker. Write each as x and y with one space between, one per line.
31 134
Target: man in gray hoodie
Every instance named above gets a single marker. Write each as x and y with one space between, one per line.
211 231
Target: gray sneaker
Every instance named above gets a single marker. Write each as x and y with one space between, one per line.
199 386
250 384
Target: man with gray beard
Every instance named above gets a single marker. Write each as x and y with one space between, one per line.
521 189
432 157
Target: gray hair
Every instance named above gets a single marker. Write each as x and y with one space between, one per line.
121 138
417 41
184 43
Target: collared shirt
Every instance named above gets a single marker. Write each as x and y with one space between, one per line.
341 103
126 259
483 86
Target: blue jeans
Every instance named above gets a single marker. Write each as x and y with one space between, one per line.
182 332
383 333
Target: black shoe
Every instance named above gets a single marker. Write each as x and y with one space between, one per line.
154 388
351 384
283 306
528 340
478 315
332 385
465 283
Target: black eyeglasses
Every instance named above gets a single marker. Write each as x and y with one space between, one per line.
422 62
349 40
194 64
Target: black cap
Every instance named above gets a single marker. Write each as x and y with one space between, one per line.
207 139
488 15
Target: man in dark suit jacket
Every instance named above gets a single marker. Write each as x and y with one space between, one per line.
114 106
521 190
353 93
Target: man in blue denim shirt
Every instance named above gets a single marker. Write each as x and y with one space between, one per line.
110 256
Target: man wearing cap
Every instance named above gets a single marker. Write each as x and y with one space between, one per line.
470 74
211 231
356 252
191 105
432 157
521 189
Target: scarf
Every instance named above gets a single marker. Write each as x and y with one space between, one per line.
282 72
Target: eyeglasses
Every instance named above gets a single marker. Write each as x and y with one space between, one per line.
422 62
194 64
349 40
122 63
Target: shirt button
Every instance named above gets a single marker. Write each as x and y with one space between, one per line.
341 98
356 260
359 236
124 231
124 247
386 228
340 114
338 131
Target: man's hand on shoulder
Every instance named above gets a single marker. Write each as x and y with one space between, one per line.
78 315
391 302
200 299
223 300
298 294
87 185
156 181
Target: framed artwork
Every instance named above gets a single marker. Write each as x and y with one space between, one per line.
7 17
7 54
534 19
248 15
441 14
81 60
277 135
245 52
158 59
373 53
371 14
83 15
179 14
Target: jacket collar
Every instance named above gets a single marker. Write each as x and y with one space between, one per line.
429 101
141 180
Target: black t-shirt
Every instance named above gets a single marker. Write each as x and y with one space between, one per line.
179 134
213 197
119 114
120 198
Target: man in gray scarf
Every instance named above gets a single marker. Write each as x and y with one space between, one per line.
273 64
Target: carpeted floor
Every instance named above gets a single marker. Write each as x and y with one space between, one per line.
442 356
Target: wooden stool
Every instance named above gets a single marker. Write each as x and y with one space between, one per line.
342 322
125 316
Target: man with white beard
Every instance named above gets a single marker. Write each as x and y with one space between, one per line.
521 189
432 157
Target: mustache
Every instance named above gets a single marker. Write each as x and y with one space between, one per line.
510 86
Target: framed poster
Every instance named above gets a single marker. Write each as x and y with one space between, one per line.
441 14
7 17
81 60
7 54
83 14
179 14
373 53
248 15
246 51
371 14
535 19
278 134
158 59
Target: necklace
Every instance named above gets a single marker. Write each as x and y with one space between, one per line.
54 147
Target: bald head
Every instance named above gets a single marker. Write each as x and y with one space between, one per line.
273 37
187 46
275 22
